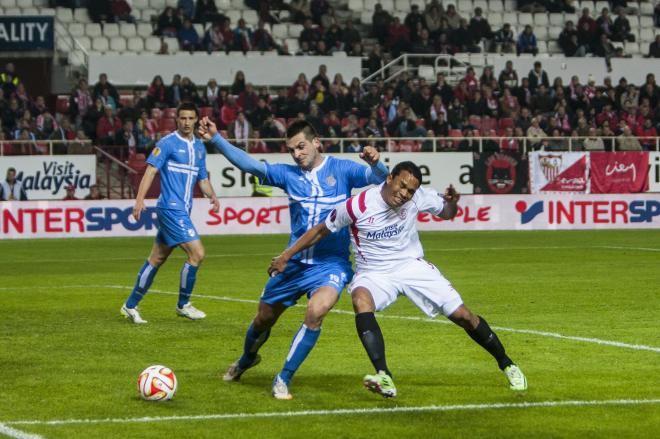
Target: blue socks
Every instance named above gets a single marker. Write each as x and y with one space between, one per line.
144 279
301 346
253 341
188 276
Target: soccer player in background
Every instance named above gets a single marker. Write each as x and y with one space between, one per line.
390 261
314 185
180 158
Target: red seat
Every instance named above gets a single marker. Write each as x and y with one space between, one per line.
167 124
506 122
488 123
258 148
7 149
421 122
170 113
156 113
455 133
206 112
475 121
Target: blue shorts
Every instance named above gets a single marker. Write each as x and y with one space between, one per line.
299 279
174 228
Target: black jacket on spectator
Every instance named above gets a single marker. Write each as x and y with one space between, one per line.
535 80
99 10
420 104
480 29
445 92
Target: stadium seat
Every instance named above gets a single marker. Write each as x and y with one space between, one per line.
169 113
631 48
464 6
557 19
140 4
370 5
541 33
148 14
100 44
135 44
199 28
542 46
600 5
388 5
238 4
233 16
366 17
223 5
8 3
157 4
110 30
172 3
172 45
84 42
118 44
511 18
13 11
293 45
646 22
64 44
280 30
495 20
645 8
634 21
553 47
426 72
152 44
127 30
145 30
402 5
93 30
24 3
495 6
76 58
166 124
64 15
525 18
80 15
483 4
541 19
30 11
553 32
295 30
47 12
646 35
251 18
77 29
409 146
206 112
355 5
587 4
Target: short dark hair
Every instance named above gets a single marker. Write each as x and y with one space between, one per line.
11 170
187 106
407 166
301 126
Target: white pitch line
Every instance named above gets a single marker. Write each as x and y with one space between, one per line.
347 411
428 250
618 344
17 434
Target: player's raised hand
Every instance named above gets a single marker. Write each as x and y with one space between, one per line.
216 204
138 209
277 265
207 129
370 155
451 196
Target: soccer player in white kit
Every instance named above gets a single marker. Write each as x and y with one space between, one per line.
390 262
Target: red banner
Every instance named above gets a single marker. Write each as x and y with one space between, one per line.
619 172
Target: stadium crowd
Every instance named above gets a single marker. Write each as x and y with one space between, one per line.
510 104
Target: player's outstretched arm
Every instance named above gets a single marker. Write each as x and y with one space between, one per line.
239 158
451 198
377 172
145 184
311 237
207 189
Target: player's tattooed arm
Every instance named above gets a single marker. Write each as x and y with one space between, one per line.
451 198
311 237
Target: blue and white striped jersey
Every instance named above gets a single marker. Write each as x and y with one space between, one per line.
312 196
180 163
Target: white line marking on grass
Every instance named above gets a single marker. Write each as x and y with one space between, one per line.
17 434
348 411
618 344
644 249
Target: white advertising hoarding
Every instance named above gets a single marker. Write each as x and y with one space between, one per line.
46 177
438 170
654 171
245 215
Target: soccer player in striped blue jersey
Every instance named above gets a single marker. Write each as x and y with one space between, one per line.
180 159
314 185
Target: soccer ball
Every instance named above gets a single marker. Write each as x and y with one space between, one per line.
157 383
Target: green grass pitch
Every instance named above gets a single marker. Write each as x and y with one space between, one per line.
66 353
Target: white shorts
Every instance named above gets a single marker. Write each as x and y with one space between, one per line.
419 280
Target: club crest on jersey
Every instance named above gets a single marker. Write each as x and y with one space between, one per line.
403 213
331 180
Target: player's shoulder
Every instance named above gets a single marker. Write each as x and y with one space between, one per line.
167 140
342 163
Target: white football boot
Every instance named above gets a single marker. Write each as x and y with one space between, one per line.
280 389
517 380
190 312
133 315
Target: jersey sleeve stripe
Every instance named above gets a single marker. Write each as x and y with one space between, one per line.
361 203
349 209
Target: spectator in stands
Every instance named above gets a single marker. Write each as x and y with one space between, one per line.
129 111
586 18
62 133
38 106
350 34
508 104
189 92
206 11
309 35
262 40
527 42
214 40
604 47
453 18
480 28
187 7
269 130
463 40
334 38
102 85
211 94
128 136
169 23
94 193
79 102
242 37
81 144
240 130
327 17
504 40
627 141
248 99
174 94
229 112
647 134
238 86
621 28
9 80
11 188
380 23
26 145
398 39
46 125
537 76
531 5
70 193
509 142
90 119
568 41
593 142
107 127
654 48
413 18
100 10
121 11
535 134
586 37
433 19
146 126
508 76
157 93
469 143
188 37
604 23
300 10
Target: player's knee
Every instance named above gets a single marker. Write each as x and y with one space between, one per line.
362 301
316 312
464 318
197 257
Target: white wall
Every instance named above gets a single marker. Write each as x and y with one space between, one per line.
129 70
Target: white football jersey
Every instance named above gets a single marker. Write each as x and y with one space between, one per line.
384 237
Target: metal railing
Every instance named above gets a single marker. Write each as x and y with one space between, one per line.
107 160
37 147
453 68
